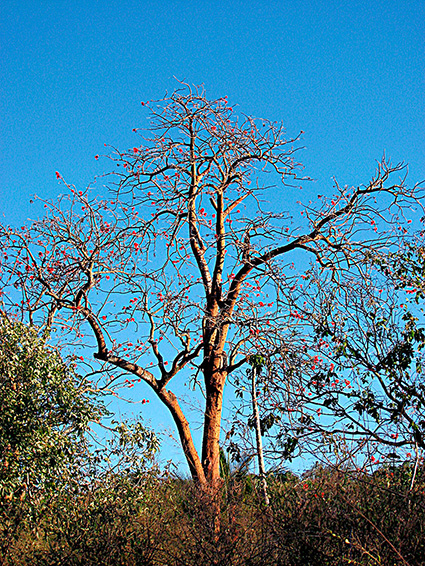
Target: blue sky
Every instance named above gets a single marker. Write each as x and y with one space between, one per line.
351 75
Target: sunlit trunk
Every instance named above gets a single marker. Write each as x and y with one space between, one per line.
212 425
186 440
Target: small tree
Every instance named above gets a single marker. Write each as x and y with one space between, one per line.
374 381
355 388
45 411
187 263
256 367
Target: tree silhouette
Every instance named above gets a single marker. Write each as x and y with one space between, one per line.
191 254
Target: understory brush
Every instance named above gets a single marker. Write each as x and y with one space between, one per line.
326 517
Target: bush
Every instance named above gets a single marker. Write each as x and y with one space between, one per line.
325 518
44 415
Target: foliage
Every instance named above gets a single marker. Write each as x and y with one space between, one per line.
407 266
45 411
46 454
129 449
355 390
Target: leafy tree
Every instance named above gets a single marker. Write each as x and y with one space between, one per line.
46 451
45 411
186 269
377 350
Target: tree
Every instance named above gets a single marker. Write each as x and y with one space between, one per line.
187 263
46 449
356 388
377 350
256 366
45 411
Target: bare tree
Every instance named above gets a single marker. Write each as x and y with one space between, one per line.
192 255
355 388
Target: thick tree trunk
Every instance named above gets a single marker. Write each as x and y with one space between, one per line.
211 443
212 425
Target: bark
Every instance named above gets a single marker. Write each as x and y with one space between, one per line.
215 380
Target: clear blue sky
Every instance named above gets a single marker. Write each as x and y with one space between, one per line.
73 73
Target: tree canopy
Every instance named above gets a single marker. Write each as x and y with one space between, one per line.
187 267
45 411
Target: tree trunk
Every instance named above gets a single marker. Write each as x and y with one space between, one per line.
212 426
260 454
211 444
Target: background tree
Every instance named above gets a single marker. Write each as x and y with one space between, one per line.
355 390
47 449
45 411
193 255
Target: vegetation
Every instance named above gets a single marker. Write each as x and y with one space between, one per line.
324 518
186 269
189 274
46 410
